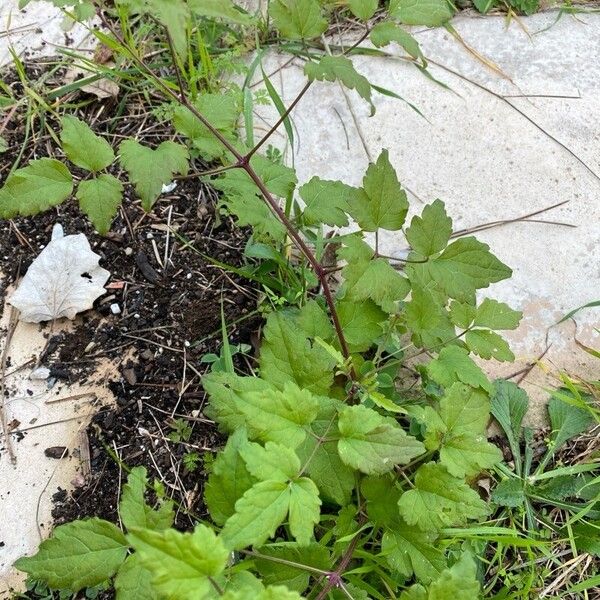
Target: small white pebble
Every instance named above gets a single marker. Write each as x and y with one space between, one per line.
168 187
115 309
128 251
186 344
188 276
136 316
41 373
149 236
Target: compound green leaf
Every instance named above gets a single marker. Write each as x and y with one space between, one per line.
83 147
360 322
382 203
459 581
454 364
133 581
496 315
100 199
372 443
295 579
376 280
135 511
488 344
42 184
305 509
340 68
326 202
298 19
150 169
180 563
228 480
432 13
363 9
287 354
272 462
221 111
269 414
79 554
220 9
439 500
430 233
464 266
386 32
409 550
257 515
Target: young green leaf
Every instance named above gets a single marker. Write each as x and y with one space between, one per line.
567 422
252 211
134 509
297 19
429 233
381 495
83 147
133 581
305 509
483 6
175 16
386 32
42 184
272 462
180 563
314 321
269 414
100 199
431 13
363 9
459 581
79 554
462 314
454 364
509 492
150 169
382 203
439 500
287 354
488 344
326 202
360 322
372 443
409 550
228 480
496 315
340 68
220 9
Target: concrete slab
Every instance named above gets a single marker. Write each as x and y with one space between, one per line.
486 160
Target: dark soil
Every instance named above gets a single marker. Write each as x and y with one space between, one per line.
170 299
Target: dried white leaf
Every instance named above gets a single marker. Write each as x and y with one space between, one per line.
63 280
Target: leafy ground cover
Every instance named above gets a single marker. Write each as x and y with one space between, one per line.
354 460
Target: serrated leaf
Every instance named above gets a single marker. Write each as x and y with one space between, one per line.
587 538
133 508
272 462
305 509
462 314
459 581
496 315
83 147
42 184
269 414
439 500
296 579
220 9
409 550
430 233
454 364
340 68
150 169
100 199
252 211
180 563
376 280
80 554
423 313
133 581
432 13
297 19
363 9
360 322
221 111
509 492
372 443
334 479
381 496
382 203
287 354
466 454
386 32
228 480
314 321
488 344
326 202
